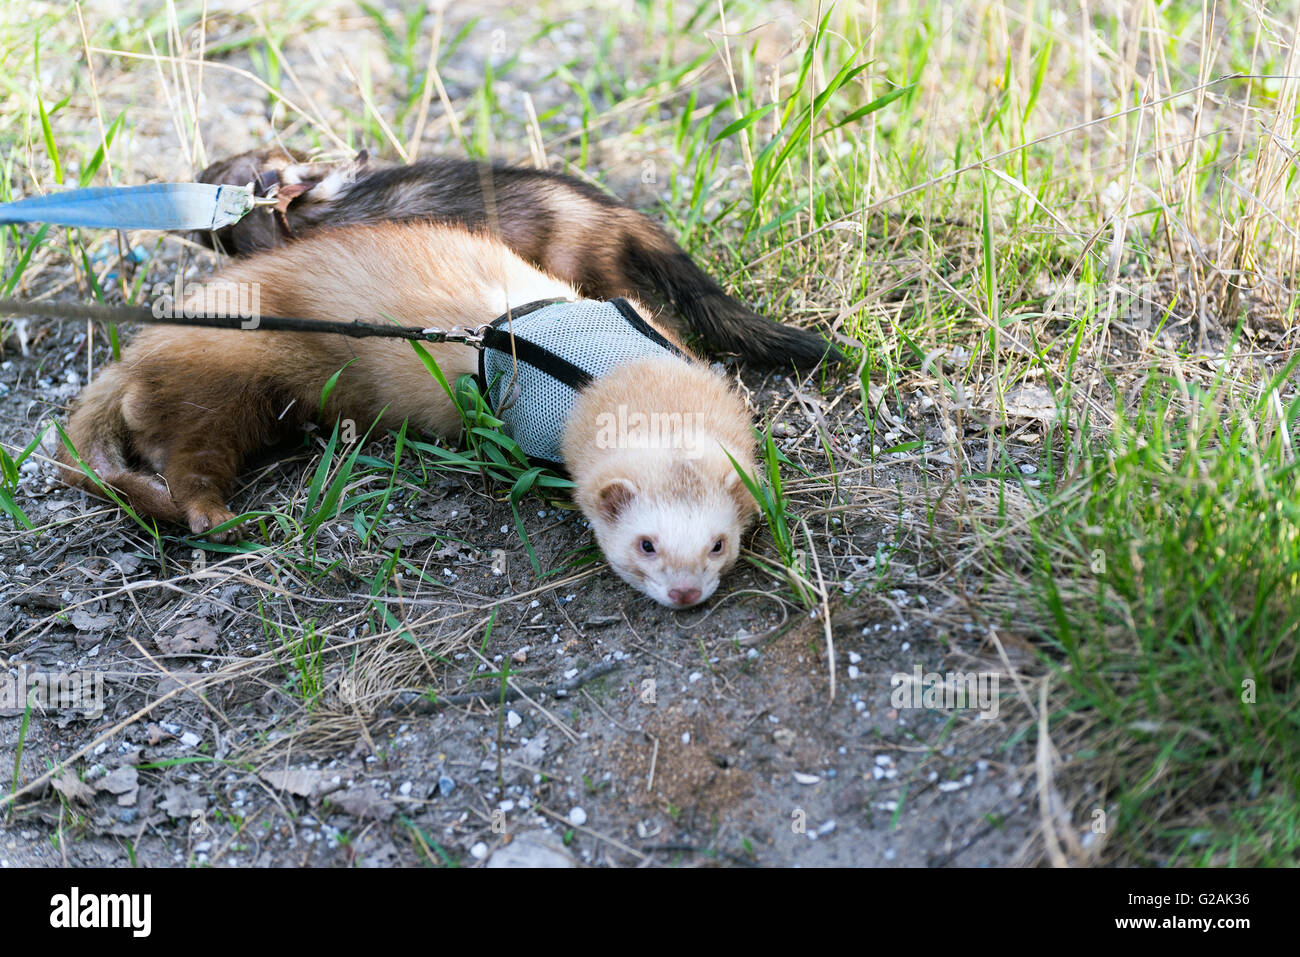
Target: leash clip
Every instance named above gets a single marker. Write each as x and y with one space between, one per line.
470 337
475 336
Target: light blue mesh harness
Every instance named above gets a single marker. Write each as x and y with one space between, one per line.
561 348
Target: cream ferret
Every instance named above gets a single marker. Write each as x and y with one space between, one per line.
648 437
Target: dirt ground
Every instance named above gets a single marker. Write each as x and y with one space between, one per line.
643 737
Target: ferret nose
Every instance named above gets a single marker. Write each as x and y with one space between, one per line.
684 596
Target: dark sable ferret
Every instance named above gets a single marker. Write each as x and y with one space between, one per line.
556 222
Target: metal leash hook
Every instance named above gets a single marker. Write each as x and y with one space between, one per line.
268 196
457 334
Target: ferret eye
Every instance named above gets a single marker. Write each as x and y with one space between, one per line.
647 546
717 546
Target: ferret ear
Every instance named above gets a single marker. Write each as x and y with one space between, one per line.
740 494
614 497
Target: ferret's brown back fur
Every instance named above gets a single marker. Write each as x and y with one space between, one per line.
185 407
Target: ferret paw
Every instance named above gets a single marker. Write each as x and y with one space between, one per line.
204 518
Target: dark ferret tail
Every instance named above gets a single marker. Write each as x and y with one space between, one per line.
723 323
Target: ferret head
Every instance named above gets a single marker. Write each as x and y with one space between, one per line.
670 528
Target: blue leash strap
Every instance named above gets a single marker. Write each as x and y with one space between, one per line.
155 206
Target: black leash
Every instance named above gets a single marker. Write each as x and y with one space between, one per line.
146 315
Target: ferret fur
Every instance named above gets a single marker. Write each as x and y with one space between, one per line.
556 222
172 423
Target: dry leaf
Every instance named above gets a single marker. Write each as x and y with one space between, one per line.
156 735
181 802
1031 402
124 782
300 782
196 636
83 620
73 788
364 803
